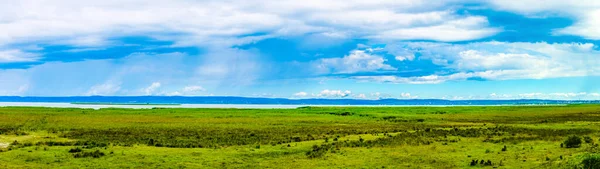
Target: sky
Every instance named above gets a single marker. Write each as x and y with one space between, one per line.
404 49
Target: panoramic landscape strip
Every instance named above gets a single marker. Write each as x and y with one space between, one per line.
559 136
229 100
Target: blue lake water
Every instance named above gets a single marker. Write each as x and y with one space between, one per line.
243 102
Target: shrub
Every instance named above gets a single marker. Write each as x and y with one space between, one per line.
572 142
319 151
488 163
94 154
75 150
592 162
473 163
588 139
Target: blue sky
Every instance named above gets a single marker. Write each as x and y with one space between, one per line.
406 49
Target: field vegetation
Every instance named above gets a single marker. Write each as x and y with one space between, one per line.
307 137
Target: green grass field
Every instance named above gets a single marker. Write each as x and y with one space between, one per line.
309 137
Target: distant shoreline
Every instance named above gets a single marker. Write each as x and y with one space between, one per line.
220 106
232 100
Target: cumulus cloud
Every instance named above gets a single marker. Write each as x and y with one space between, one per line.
193 89
360 96
376 95
403 58
333 93
499 61
300 94
408 96
356 61
150 90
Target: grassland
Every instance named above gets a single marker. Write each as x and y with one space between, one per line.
309 137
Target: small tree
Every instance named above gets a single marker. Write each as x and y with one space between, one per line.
573 142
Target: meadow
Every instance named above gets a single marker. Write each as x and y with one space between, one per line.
561 136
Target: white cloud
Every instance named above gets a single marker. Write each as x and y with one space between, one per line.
185 91
407 96
476 60
300 94
587 27
457 98
104 89
356 61
403 58
455 30
531 95
533 7
499 61
360 96
13 56
150 90
333 93
585 13
220 23
429 79
193 89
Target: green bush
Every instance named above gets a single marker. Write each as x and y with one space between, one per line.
591 162
319 151
573 142
75 150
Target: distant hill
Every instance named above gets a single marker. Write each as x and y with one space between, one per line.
283 101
